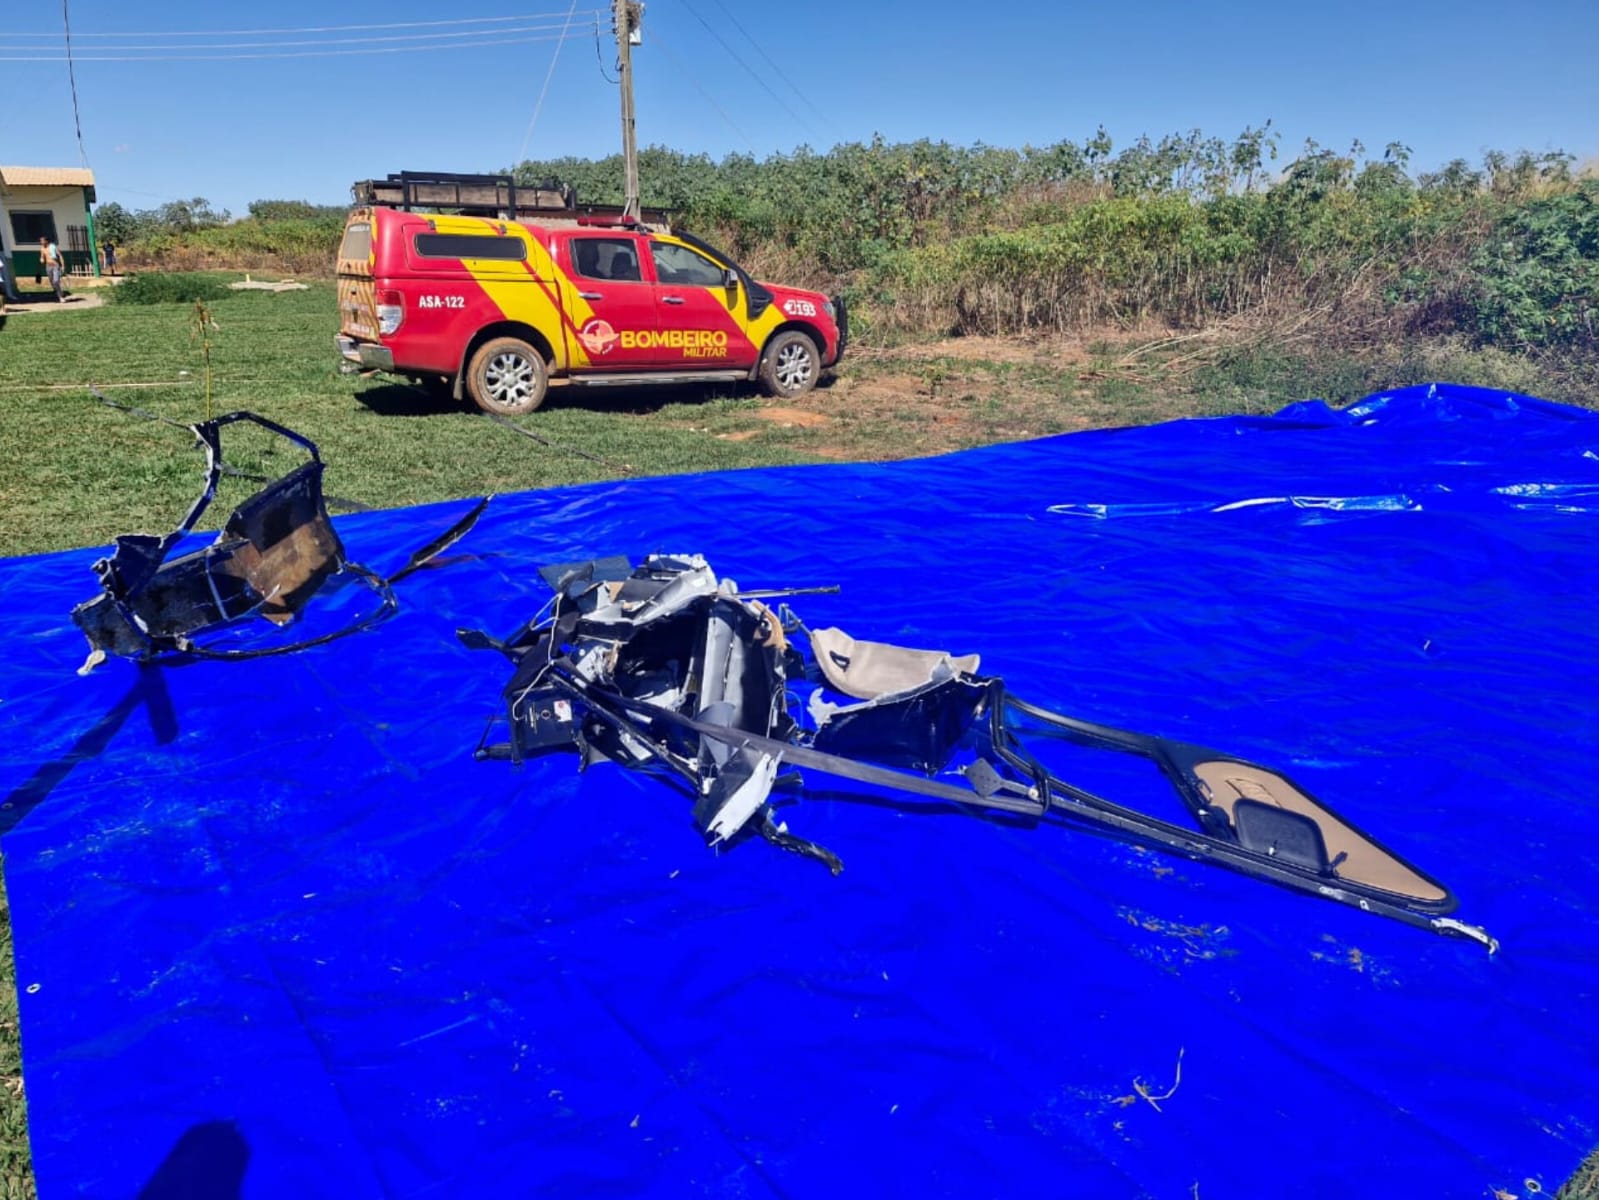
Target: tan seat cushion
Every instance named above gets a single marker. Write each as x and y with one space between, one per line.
867 670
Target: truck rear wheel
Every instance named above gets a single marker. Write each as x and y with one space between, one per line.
790 366
507 377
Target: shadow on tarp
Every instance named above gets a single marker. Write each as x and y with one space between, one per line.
296 899
207 1163
148 692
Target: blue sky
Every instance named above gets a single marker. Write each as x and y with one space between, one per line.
1449 79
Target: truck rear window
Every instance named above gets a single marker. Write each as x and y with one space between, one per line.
357 243
466 245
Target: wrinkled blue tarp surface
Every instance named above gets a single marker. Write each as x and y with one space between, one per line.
278 934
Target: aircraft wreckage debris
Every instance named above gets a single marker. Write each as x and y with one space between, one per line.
276 550
667 668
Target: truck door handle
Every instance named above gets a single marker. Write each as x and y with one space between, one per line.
671 299
591 295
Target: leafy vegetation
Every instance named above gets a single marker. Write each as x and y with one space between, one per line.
1184 233
154 287
290 236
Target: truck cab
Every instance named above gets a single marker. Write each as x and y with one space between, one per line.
499 308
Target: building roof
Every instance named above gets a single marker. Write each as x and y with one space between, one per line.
46 177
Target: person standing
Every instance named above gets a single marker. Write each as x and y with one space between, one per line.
50 255
110 257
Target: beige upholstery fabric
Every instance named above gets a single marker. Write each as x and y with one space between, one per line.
867 670
1229 782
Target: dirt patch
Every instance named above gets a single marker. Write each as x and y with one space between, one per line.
1060 350
36 303
805 418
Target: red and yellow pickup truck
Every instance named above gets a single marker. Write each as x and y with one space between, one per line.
497 310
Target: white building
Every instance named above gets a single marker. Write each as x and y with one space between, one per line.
50 202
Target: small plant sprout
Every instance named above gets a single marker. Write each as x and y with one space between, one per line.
201 326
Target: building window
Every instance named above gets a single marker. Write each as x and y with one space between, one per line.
28 227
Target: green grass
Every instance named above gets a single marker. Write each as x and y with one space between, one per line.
16 1174
79 472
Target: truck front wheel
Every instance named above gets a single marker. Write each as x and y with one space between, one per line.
507 377
790 366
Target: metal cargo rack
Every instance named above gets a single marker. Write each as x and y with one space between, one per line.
491 196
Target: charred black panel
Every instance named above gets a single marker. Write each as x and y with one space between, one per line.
918 731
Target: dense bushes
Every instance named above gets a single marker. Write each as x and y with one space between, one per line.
174 288
1538 272
287 236
293 246
1184 232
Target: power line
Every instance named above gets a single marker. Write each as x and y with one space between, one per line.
72 79
312 28
357 41
804 99
548 75
731 124
738 58
515 41
599 59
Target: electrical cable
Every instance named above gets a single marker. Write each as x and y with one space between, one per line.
193 47
72 80
312 28
683 69
154 58
548 75
804 99
598 58
748 70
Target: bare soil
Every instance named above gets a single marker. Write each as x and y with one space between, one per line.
934 397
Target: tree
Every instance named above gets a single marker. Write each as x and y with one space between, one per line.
113 223
185 216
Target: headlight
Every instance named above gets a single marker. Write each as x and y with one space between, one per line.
830 309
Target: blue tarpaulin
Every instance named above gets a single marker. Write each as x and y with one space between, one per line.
278 934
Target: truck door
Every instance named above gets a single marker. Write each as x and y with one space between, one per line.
693 299
613 311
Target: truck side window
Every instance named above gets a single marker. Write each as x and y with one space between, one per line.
466 245
680 265
606 258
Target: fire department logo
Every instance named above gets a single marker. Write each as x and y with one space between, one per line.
597 336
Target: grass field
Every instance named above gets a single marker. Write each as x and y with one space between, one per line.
80 472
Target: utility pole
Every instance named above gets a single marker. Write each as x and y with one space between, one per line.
629 13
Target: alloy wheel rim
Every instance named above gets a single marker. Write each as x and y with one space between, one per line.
793 366
508 379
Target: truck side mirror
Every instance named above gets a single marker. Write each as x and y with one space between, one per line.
729 278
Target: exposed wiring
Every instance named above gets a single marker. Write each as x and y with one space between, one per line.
72 79
548 75
748 70
311 28
776 70
599 58
684 71
431 46
194 47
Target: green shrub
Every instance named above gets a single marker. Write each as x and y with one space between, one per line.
177 287
1539 273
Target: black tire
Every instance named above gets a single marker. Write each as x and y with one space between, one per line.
507 377
790 366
